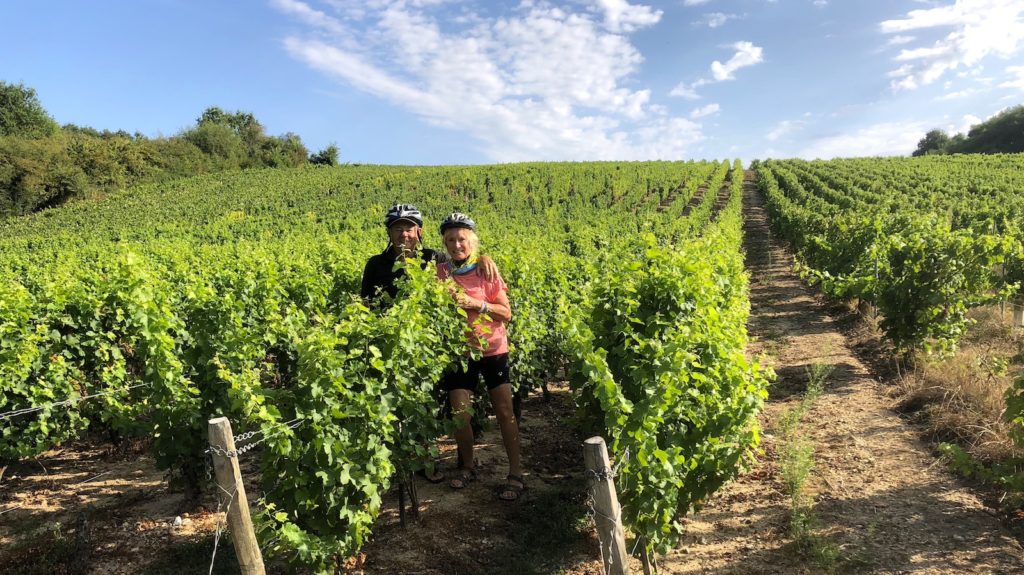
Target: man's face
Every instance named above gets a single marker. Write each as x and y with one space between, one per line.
404 235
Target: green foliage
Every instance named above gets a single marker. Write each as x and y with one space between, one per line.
21 113
42 165
1000 134
922 256
233 295
934 142
659 362
36 173
325 157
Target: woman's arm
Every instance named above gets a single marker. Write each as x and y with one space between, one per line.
499 309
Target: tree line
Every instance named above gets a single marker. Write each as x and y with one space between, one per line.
44 164
1000 134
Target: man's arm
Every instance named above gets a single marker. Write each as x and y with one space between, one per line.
485 267
367 289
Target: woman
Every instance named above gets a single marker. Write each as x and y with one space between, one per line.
486 300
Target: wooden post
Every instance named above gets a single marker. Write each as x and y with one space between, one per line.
229 480
1018 315
606 507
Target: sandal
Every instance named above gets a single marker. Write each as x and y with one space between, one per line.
511 491
436 477
462 478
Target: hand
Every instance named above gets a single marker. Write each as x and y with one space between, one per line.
485 267
468 303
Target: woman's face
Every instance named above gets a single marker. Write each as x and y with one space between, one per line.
458 243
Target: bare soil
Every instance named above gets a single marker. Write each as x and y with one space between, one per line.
880 496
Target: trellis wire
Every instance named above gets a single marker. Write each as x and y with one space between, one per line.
27 410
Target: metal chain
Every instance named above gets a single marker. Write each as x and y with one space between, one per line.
604 474
249 446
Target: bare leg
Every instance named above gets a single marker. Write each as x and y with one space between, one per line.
462 400
501 400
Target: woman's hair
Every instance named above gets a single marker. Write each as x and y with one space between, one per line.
474 240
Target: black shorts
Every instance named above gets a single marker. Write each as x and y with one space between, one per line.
494 369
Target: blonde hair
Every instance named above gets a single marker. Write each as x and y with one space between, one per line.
474 240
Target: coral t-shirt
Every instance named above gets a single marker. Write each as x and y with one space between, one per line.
476 286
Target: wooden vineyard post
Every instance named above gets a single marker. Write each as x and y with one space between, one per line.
606 507
1018 314
229 481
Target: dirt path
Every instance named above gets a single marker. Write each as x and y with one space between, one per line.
879 496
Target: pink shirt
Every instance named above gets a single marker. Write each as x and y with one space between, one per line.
477 287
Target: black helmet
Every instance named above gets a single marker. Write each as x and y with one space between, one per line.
457 220
403 212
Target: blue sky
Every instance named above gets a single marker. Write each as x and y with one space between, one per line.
462 82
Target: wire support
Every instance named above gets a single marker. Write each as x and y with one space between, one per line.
27 410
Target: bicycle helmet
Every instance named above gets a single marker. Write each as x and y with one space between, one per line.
457 220
403 212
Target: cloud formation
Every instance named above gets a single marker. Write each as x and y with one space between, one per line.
703 111
1017 82
540 82
882 139
716 19
979 28
747 54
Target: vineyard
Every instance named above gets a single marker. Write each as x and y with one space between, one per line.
151 312
921 242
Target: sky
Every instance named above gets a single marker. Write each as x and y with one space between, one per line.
468 82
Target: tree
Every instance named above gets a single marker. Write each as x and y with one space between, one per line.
934 142
220 142
325 157
1000 134
21 114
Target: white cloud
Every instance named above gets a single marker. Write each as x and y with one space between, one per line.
1017 82
621 16
540 82
681 90
694 2
820 3
885 139
310 16
956 95
783 128
899 39
705 111
980 28
747 54
716 19
965 125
